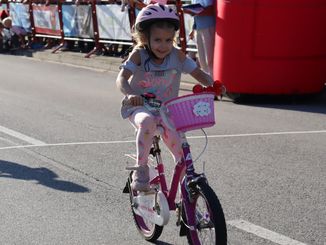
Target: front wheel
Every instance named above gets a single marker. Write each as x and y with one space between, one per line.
149 231
210 222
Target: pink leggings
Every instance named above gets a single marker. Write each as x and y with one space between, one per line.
146 124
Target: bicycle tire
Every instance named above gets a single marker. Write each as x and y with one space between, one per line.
216 216
150 234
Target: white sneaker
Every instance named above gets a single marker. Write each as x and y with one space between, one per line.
140 178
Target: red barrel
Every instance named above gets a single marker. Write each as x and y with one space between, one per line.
271 46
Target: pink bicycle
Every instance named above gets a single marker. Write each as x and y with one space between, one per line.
199 212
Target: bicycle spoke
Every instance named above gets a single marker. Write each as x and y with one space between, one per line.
205 226
210 222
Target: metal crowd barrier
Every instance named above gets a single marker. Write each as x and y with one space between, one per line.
95 21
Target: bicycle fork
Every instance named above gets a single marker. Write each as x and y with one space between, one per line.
189 191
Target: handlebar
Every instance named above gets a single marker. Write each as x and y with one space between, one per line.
217 88
150 100
156 106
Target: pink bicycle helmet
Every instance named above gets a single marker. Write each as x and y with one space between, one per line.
154 12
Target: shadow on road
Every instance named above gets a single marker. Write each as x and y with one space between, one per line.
43 176
314 103
161 243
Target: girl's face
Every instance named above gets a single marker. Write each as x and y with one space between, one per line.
161 41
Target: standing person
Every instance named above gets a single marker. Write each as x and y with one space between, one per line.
204 27
155 66
1 37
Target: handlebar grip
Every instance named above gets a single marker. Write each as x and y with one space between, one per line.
218 88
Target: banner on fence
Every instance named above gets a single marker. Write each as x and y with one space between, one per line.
20 15
3 6
46 19
113 23
77 21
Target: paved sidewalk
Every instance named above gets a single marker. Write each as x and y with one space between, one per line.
96 62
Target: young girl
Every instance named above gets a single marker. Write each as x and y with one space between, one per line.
155 66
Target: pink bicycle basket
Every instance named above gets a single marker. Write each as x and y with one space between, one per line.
192 111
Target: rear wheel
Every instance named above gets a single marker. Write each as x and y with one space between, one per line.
150 231
210 222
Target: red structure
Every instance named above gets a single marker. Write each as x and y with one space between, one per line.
271 46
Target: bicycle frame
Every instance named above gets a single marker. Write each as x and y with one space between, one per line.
170 194
153 207
199 212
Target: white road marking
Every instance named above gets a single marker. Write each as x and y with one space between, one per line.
263 232
261 134
42 144
67 144
21 136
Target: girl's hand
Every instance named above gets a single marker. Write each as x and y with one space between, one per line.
135 100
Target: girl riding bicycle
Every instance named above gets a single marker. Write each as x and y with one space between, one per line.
154 67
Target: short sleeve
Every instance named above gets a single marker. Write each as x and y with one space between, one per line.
131 66
189 65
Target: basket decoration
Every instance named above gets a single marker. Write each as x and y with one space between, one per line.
192 111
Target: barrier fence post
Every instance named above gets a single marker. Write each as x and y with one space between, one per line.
132 14
61 27
8 8
31 17
182 31
98 46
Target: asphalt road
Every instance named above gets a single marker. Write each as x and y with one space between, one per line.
62 146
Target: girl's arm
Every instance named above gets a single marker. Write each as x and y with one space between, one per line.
196 73
202 77
122 81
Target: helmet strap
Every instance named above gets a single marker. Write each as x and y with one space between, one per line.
150 53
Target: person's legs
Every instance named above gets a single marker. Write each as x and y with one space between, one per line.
209 39
205 45
173 141
201 50
145 123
